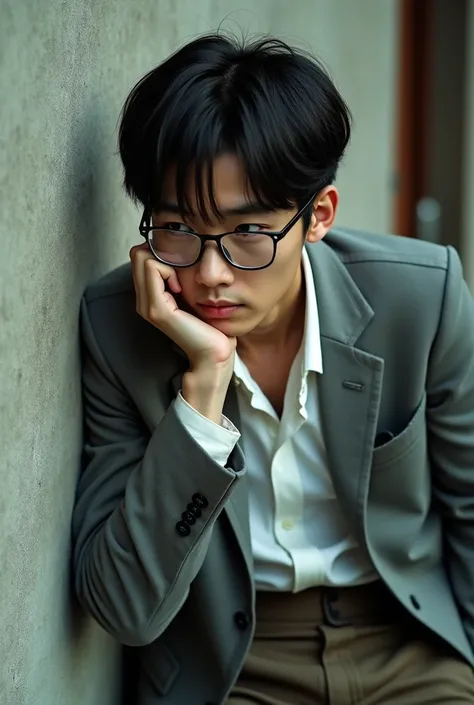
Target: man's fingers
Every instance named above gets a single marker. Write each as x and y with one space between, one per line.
173 282
158 298
137 254
168 274
150 278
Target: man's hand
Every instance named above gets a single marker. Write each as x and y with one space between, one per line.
210 352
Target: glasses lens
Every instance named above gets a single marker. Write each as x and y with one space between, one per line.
174 247
250 250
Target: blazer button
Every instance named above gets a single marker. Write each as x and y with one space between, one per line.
183 529
241 620
200 500
195 511
189 518
415 602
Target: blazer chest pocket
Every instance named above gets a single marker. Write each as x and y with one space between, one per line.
399 446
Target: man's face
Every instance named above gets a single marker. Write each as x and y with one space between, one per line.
246 300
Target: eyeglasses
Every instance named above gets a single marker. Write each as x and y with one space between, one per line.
242 249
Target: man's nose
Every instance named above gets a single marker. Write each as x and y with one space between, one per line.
213 268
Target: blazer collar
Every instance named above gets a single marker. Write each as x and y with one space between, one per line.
344 313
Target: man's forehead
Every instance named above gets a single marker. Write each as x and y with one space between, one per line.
226 207
220 188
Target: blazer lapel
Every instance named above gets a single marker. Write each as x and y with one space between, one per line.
351 384
237 507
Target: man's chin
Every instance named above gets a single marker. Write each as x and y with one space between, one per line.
230 328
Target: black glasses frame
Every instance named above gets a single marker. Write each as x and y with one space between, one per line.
146 230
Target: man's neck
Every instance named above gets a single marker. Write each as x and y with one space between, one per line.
280 335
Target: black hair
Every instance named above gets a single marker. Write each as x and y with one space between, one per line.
273 106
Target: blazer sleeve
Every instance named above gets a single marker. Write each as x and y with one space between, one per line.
132 564
450 421
216 441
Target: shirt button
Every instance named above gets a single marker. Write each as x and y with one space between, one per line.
287 524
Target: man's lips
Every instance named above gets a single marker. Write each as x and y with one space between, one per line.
217 303
218 309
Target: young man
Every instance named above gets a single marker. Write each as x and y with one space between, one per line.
278 504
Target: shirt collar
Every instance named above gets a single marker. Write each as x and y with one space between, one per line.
312 355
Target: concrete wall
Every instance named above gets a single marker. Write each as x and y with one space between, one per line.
65 70
467 249
358 42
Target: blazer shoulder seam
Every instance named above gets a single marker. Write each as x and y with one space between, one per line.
397 259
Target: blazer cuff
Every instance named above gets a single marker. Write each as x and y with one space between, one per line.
217 441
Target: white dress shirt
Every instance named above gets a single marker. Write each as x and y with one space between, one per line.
299 536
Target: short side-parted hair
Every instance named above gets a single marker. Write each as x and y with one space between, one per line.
273 106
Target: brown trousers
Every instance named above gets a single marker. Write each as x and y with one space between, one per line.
347 646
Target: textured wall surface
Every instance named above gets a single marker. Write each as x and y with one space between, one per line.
357 41
65 69
467 249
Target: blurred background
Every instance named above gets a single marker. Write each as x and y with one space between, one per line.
406 69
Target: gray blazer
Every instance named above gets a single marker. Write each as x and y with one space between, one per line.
397 330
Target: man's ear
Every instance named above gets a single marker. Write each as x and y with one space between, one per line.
324 214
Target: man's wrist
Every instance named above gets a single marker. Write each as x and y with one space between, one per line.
205 390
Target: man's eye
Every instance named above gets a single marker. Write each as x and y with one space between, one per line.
178 227
250 228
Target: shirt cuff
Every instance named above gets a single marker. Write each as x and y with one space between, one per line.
217 441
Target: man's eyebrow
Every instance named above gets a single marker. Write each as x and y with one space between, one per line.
247 208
